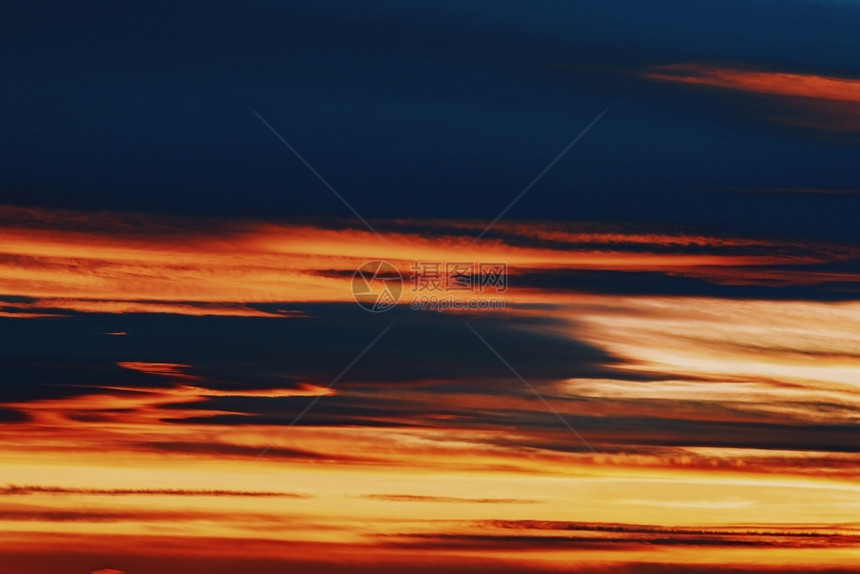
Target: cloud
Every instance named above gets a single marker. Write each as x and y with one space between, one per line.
596 361
109 516
707 504
113 264
222 450
49 307
760 82
632 310
804 100
22 490
172 370
176 555
449 499
614 537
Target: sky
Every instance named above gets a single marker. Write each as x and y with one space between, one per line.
383 287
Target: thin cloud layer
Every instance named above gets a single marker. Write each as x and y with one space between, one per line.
116 264
761 82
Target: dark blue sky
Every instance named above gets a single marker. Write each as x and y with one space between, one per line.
424 109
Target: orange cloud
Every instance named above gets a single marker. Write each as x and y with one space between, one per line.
385 493
172 370
803 100
104 263
32 309
760 82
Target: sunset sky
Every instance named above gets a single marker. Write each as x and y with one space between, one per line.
664 378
